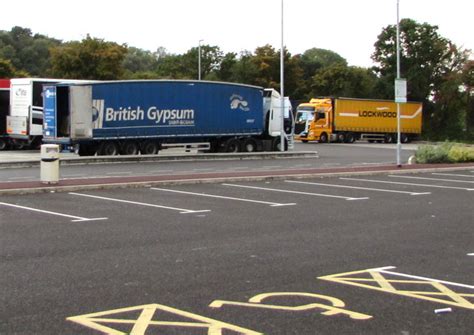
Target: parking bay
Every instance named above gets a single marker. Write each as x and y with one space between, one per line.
70 254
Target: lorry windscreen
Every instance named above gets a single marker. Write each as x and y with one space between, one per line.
304 113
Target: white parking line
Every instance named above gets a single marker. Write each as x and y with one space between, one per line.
159 171
409 184
21 178
272 204
118 173
238 168
453 175
75 218
434 179
427 279
296 192
356 187
181 210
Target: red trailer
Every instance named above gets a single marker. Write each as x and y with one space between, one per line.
4 107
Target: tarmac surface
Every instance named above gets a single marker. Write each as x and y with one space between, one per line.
305 247
71 184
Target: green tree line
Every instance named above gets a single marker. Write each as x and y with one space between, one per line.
439 73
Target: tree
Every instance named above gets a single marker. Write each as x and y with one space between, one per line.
343 81
91 58
225 72
428 62
426 58
245 70
315 59
6 69
468 84
138 61
27 52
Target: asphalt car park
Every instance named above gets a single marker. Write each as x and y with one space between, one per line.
372 254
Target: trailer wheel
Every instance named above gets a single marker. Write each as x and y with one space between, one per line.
213 146
150 148
129 148
349 138
389 138
108 149
232 145
86 150
404 138
250 145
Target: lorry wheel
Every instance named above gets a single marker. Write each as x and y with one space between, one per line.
250 145
129 148
232 145
277 144
341 137
150 148
323 138
3 144
108 149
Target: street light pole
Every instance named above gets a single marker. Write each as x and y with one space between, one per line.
282 85
199 60
399 142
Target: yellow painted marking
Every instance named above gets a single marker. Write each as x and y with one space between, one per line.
143 321
385 284
334 309
103 321
439 291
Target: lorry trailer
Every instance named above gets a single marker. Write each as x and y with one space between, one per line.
144 116
4 107
347 120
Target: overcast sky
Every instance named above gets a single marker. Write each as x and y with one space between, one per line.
348 27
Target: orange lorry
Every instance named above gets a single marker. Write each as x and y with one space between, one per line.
347 120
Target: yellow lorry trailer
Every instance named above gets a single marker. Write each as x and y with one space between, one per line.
347 120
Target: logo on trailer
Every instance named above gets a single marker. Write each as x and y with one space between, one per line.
161 117
238 102
50 93
98 113
21 92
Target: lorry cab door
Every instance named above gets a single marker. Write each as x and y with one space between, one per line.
276 117
321 119
80 106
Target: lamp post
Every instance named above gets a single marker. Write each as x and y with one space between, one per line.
199 60
282 85
397 93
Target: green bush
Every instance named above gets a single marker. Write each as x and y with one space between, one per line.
460 154
444 153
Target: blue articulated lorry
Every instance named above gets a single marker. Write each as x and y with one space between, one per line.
144 116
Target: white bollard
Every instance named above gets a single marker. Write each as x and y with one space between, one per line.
49 163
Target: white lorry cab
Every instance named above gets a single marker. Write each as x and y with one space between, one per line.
25 119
